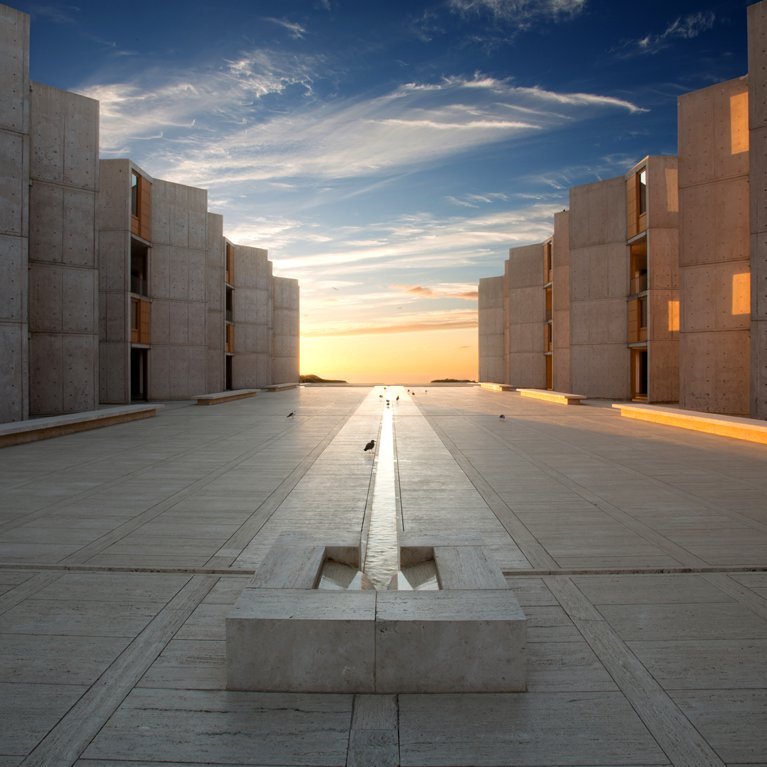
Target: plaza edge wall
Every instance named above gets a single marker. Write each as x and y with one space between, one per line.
491 330
63 273
714 249
215 287
599 355
757 118
285 339
14 207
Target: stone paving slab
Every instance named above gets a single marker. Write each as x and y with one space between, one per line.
627 668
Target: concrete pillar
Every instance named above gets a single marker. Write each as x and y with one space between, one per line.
757 119
252 318
14 218
63 273
491 324
561 290
714 249
599 355
216 255
527 314
286 341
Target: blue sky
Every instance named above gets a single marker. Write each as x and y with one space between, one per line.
387 154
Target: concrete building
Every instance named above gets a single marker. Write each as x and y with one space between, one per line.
664 298
49 351
114 284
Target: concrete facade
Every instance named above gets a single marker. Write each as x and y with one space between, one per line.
491 330
561 293
286 339
526 316
757 142
113 283
14 214
714 256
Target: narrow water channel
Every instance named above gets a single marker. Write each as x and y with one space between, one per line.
382 553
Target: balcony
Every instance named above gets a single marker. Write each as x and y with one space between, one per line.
548 315
229 315
638 284
138 286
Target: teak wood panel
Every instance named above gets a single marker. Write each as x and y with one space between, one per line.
633 320
230 338
141 334
632 206
229 264
140 225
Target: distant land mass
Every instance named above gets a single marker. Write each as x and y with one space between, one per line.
311 378
453 380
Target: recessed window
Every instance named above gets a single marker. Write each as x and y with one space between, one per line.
642 188
134 315
134 195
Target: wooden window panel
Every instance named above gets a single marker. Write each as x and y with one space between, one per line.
631 207
633 321
135 322
144 322
145 210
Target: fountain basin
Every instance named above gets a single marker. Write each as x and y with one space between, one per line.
286 635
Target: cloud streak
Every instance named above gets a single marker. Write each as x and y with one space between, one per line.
682 29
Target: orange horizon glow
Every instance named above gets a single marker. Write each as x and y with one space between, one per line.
422 356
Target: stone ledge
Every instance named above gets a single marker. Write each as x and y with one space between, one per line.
559 397
225 396
282 386
732 426
496 386
20 432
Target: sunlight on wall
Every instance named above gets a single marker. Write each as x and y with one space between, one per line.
741 293
673 315
672 190
423 356
739 122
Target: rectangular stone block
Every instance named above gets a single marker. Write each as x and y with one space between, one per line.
302 640
450 641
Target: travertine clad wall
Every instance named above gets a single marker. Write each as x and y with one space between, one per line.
599 355
285 363
527 311
63 272
663 268
252 318
757 105
715 311
178 269
491 326
14 224
215 296
561 298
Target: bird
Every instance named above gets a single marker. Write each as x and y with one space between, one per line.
426 392
397 400
380 396
370 446
503 417
291 414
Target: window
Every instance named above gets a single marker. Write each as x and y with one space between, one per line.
139 321
636 201
230 339
134 194
139 268
642 189
643 316
547 263
640 377
230 263
637 320
548 304
229 305
134 316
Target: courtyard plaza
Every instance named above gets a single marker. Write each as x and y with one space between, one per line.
638 553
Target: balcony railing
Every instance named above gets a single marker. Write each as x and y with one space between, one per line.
638 284
229 315
138 286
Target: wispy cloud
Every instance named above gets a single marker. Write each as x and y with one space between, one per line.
296 30
425 322
217 129
682 29
58 14
415 290
520 12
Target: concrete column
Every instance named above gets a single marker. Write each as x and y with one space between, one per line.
63 274
14 214
178 275
491 324
216 255
757 118
527 313
599 355
561 290
286 341
714 249
252 318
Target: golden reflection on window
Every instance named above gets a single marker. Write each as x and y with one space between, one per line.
739 122
741 293
673 315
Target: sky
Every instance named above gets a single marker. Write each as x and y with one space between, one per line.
387 154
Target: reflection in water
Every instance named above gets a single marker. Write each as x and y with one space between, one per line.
382 555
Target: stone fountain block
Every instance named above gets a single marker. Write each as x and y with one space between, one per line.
284 635
301 640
